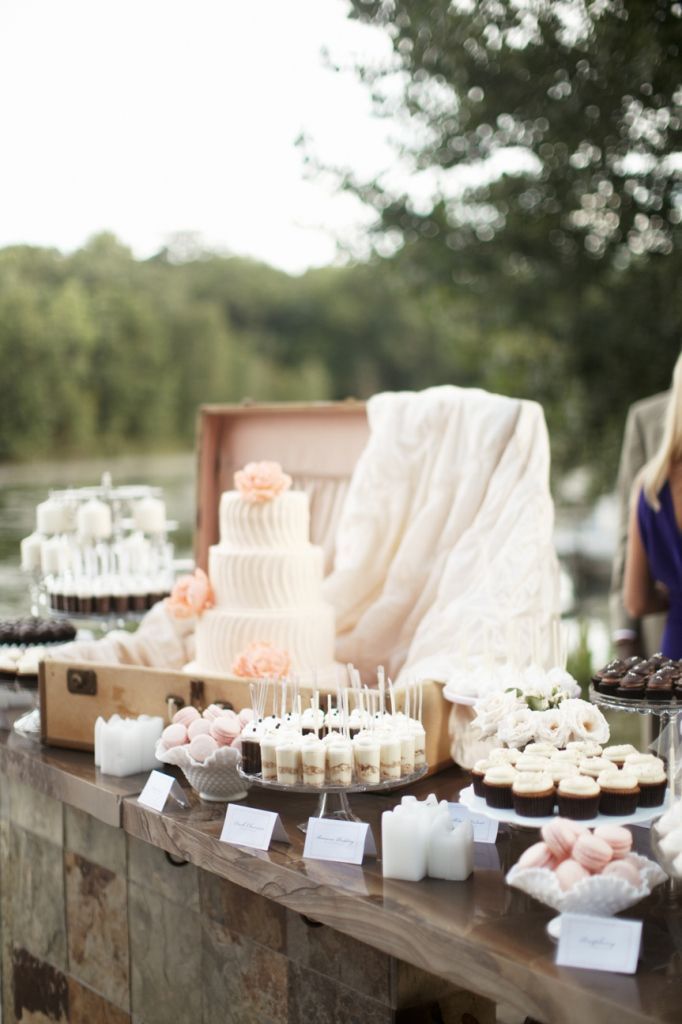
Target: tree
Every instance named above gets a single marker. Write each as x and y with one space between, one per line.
579 237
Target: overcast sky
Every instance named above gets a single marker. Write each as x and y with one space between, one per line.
148 117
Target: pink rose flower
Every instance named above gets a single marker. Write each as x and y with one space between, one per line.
190 596
261 481
261 660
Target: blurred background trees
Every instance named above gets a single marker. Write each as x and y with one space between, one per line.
527 240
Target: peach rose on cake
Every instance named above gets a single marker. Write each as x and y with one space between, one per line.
191 595
261 660
261 481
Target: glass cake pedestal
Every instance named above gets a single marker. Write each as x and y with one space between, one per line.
668 713
333 800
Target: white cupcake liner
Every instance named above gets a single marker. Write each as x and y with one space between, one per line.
217 778
601 895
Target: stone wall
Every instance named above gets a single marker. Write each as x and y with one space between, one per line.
100 928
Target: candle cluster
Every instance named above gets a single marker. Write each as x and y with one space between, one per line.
419 839
125 746
365 744
100 550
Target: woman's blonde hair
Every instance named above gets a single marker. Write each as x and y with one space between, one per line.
657 469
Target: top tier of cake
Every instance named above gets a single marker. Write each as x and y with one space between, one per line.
283 523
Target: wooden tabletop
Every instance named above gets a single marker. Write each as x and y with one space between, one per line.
478 934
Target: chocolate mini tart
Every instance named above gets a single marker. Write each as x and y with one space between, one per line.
659 690
632 686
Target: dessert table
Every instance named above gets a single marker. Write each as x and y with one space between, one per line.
113 912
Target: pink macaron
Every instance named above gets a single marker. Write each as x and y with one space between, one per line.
225 729
624 869
538 855
560 837
592 852
569 872
202 747
246 715
198 727
213 711
174 735
618 838
185 716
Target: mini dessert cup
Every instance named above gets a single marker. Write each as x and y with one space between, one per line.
367 753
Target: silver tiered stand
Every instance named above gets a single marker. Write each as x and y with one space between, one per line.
333 800
667 712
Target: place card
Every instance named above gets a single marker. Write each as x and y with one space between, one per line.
485 829
158 788
247 826
599 943
344 841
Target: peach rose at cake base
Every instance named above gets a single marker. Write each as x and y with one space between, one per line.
191 595
261 481
262 660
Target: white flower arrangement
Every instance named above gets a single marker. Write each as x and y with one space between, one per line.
517 718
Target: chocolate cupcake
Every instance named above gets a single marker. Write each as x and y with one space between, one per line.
497 786
659 688
594 766
632 686
504 755
652 781
578 798
533 794
619 792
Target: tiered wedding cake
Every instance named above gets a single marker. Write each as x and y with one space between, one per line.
266 578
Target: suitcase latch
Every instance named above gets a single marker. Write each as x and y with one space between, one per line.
82 681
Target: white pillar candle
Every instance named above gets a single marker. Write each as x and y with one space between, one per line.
53 556
31 548
149 515
450 850
313 759
404 841
368 760
390 756
94 520
51 517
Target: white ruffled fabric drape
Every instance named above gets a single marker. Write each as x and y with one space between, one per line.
445 539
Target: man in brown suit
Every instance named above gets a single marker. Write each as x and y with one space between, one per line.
643 432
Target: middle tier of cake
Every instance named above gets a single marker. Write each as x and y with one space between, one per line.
306 633
253 578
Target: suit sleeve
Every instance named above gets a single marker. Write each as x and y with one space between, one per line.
632 458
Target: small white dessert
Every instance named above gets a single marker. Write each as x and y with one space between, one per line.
313 760
340 762
406 752
390 756
268 760
367 751
288 761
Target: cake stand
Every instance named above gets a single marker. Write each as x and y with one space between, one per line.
508 816
666 711
333 800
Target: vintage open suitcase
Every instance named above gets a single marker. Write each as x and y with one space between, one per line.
318 444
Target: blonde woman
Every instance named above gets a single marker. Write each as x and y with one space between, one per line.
653 566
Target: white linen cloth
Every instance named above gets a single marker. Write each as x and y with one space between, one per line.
445 540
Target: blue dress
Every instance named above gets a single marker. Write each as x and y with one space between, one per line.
662 542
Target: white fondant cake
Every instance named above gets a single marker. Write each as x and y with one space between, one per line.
267 581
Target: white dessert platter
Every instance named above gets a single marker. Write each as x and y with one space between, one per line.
508 816
338 794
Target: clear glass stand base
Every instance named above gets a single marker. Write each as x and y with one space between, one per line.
332 805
